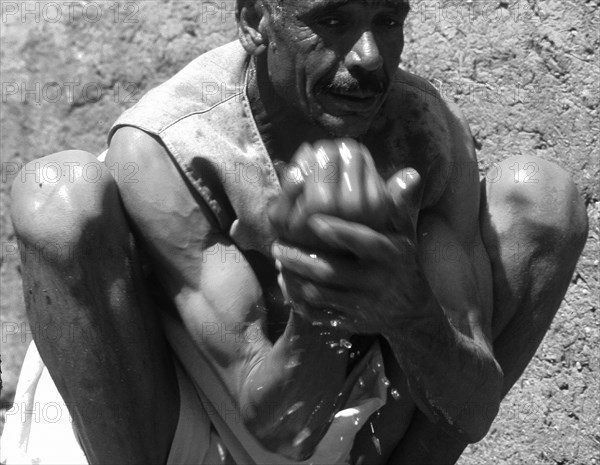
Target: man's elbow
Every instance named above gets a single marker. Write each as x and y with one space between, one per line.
468 423
477 420
474 420
474 427
471 421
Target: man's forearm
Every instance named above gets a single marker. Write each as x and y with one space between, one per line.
454 379
293 390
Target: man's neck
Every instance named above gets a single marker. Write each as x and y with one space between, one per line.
282 128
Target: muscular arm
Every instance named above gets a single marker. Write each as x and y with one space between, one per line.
444 345
211 283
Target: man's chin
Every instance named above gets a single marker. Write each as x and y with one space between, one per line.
344 126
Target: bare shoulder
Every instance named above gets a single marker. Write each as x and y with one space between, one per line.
443 116
434 134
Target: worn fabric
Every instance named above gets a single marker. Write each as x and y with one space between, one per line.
203 118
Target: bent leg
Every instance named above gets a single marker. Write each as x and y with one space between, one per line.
534 227
534 233
82 275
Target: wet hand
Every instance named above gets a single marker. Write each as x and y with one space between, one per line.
347 247
336 178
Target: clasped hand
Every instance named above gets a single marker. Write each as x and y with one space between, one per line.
346 247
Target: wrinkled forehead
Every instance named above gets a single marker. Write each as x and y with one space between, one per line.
304 4
341 2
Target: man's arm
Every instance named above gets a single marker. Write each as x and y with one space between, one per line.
434 313
447 350
211 283
443 343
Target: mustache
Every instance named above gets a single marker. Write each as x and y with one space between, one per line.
350 84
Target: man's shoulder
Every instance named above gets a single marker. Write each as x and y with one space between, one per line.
430 132
416 102
416 95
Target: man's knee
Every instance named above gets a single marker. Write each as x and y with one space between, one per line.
55 198
542 199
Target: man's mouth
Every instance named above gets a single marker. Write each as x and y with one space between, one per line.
351 97
343 101
358 96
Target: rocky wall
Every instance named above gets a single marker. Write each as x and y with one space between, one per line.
524 72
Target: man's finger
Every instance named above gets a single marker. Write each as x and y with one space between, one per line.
405 188
336 303
323 268
350 187
293 179
359 239
320 190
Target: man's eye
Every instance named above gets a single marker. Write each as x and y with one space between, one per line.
330 21
389 22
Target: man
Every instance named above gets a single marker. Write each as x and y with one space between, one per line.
296 315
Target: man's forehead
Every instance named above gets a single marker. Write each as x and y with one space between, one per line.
335 3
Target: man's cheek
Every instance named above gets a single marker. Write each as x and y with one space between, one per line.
321 61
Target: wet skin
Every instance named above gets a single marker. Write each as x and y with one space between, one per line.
325 70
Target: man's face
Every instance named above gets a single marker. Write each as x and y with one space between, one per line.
334 60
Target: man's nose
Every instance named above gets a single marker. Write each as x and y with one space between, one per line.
364 54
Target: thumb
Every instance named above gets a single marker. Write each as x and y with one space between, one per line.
405 188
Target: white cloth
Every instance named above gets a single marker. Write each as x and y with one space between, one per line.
39 429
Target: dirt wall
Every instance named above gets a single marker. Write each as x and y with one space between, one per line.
525 73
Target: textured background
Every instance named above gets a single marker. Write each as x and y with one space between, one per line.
525 73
